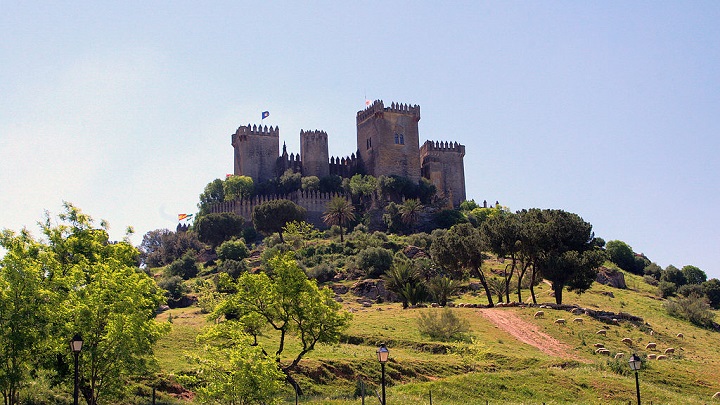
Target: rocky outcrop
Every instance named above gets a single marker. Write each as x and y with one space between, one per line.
372 290
611 277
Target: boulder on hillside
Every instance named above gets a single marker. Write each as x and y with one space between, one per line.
414 252
372 289
611 277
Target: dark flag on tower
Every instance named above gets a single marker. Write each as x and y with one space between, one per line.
265 114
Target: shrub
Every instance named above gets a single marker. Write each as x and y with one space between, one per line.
650 280
323 273
688 289
233 268
185 267
442 325
441 288
374 261
666 289
175 290
234 249
694 308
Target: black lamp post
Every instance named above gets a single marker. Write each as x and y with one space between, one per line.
383 353
75 346
635 364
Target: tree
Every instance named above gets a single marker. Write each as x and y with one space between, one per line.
105 298
501 234
374 261
238 187
459 250
272 216
214 192
622 254
24 314
184 267
711 289
162 246
289 303
410 211
290 181
693 275
569 255
400 275
234 249
340 212
672 274
214 229
234 371
310 183
331 184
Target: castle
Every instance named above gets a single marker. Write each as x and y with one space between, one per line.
388 143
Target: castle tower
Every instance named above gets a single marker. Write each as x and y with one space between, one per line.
314 153
256 151
388 141
442 164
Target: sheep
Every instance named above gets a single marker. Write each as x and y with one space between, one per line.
578 320
599 345
619 355
560 321
602 350
627 341
576 311
680 336
651 356
540 314
662 357
652 332
601 332
650 346
717 395
670 350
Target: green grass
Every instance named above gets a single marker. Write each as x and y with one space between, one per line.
502 369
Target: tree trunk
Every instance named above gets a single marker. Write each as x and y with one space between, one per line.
532 285
519 282
486 287
290 380
558 289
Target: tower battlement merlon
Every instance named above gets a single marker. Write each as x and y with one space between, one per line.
378 107
258 130
442 147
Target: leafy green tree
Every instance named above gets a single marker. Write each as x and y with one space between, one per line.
501 234
214 192
238 187
621 254
105 298
673 275
331 184
653 270
445 219
234 249
24 312
175 290
569 255
216 228
340 212
361 188
289 182
232 370
374 261
184 267
289 303
310 183
459 250
694 308
711 289
693 275
272 216
162 246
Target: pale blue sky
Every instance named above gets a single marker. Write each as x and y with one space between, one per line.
610 110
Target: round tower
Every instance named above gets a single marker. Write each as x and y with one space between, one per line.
314 153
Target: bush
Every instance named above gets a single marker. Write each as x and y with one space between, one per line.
374 261
694 308
233 268
185 267
688 289
233 250
175 290
650 280
323 273
666 289
444 326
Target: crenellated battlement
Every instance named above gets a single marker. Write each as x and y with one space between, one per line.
430 147
314 135
378 107
258 130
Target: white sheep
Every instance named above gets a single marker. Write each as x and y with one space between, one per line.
670 350
627 341
717 395
652 332
651 356
651 346
540 314
681 336
560 321
578 320
599 345
662 357
601 332
619 355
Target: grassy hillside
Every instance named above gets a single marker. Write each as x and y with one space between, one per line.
493 365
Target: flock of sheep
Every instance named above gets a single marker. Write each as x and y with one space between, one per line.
601 349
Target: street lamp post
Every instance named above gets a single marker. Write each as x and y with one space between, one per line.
383 353
635 364
75 346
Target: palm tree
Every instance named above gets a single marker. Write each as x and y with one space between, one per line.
410 212
339 212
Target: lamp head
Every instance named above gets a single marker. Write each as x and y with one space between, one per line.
635 362
76 343
383 353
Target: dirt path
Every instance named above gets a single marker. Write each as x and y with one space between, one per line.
528 333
